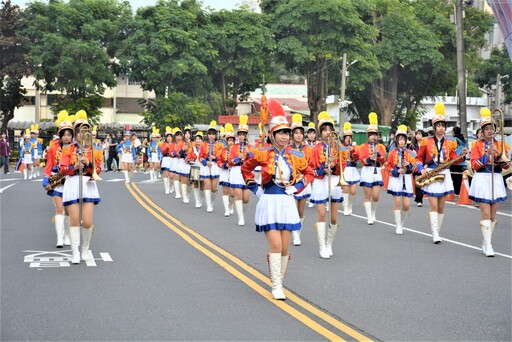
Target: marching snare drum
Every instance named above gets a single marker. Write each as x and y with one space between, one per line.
194 173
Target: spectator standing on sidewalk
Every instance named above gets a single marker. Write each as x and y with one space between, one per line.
5 153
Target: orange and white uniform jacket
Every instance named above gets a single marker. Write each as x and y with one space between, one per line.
238 153
365 151
429 156
317 160
480 161
210 151
69 160
395 161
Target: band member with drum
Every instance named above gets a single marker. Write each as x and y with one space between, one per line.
76 157
488 159
38 148
52 173
224 169
128 154
154 152
165 166
325 162
401 163
350 172
208 156
238 153
435 156
195 167
297 144
372 155
27 151
284 173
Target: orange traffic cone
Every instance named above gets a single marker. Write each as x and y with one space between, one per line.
22 167
450 197
464 193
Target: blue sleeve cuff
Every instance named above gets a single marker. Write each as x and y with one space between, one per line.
46 181
484 159
394 172
204 162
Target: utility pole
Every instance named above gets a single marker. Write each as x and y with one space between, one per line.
461 68
341 117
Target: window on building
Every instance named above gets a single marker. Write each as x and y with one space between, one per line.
29 101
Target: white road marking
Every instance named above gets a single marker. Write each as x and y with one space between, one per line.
474 208
8 186
430 235
115 180
106 257
8 179
46 259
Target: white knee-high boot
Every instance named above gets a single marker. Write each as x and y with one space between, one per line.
126 177
31 175
486 227
166 186
171 185
296 233
374 210
208 200
350 203
331 234
440 218
25 172
405 214
184 193
225 201
320 234
177 188
398 222
231 205
284 265
67 241
74 235
86 241
240 212
368 210
197 197
434 226
274 268
344 204
59 230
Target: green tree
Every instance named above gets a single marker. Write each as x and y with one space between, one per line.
312 36
488 71
71 46
13 63
245 44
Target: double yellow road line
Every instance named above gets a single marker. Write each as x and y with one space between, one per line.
314 318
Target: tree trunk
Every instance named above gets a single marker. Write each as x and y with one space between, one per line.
316 88
384 94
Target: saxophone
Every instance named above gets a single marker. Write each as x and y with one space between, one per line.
434 175
56 180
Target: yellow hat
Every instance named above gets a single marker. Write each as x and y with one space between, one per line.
323 119
34 129
311 127
168 131
155 133
243 127
402 129
230 131
187 128
95 130
438 113
27 133
81 118
296 121
213 125
374 122
222 131
485 117
176 130
63 121
198 134
347 128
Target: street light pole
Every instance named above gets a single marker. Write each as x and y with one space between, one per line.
461 69
341 117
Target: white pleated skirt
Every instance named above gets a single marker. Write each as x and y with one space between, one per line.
27 159
277 212
209 171
224 177
319 191
71 194
174 165
166 164
396 186
306 193
440 189
481 188
154 158
183 169
235 178
351 175
369 178
127 158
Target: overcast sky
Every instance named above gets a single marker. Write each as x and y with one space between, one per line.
217 4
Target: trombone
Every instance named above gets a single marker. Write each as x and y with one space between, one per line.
498 127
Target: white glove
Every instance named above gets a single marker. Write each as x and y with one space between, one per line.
290 190
260 192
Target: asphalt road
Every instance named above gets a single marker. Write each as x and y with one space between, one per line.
167 271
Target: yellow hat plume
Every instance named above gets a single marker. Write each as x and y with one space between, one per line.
373 118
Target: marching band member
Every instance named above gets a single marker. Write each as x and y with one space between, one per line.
208 156
128 155
350 172
401 162
166 161
193 160
433 153
311 134
65 138
154 153
27 151
222 163
238 153
38 148
297 144
372 155
74 157
284 172
174 150
326 166
487 188
184 168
